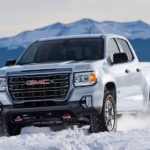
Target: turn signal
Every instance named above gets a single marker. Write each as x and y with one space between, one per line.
93 78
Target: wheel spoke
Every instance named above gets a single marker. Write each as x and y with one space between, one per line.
109 114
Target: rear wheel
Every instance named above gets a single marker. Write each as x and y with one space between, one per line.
56 127
107 120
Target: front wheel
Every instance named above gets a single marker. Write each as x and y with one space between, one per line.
8 129
3 127
107 120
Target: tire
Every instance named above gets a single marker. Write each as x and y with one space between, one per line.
107 120
56 128
14 129
3 127
7 129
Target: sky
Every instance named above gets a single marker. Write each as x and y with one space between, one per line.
20 15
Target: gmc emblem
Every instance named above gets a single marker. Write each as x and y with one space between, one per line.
38 82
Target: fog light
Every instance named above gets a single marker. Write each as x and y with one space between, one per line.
86 101
89 101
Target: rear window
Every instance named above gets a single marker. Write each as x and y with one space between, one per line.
64 50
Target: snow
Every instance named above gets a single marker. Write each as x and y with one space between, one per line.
133 133
131 30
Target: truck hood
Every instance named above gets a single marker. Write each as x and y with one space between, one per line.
73 65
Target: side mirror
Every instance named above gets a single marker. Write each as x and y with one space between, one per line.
10 63
120 58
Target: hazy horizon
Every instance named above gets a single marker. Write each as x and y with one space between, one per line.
39 27
20 15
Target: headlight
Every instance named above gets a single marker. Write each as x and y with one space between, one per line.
84 79
3 83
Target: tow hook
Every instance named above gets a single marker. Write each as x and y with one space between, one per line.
18 119
66 116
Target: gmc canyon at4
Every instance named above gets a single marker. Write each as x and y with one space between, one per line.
72 80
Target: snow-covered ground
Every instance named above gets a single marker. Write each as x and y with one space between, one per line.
133 134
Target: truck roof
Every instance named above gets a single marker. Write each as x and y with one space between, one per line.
80 36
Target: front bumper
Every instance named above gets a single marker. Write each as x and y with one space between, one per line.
47 115
41 112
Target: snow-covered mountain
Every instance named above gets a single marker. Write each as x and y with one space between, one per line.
131 30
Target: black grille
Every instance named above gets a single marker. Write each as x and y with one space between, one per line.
56 87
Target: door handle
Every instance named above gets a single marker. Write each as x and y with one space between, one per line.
127 71
138 70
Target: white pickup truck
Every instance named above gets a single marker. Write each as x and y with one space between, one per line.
75 80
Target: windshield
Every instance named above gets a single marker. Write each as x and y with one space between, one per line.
63 50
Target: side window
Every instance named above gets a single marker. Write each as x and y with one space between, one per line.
125 47
112 48
32 52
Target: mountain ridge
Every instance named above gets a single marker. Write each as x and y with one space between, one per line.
132 30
